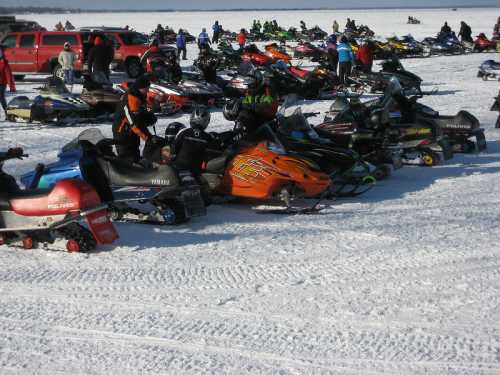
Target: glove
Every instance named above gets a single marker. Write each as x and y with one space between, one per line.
15 152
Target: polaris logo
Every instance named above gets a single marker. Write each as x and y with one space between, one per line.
160 182
456 126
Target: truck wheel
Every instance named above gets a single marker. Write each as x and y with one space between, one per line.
133 68
58 72
18 77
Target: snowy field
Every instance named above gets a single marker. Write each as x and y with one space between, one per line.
402 280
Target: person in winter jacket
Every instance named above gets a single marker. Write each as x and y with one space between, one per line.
242 38
203 39
67 59
465 32
208 64
335 27
180 42
131 121
346 58
6 79
332 53
365 56
99 58
445 30
216 28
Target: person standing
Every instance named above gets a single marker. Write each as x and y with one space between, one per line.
180 42
99 58
6 78
365 56
335 27
333 55
67 59
217 30
465 32
203 39
242 38
346 58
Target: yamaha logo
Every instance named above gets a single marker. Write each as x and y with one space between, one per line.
160 182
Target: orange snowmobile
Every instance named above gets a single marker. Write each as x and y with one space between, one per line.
262 170
276 53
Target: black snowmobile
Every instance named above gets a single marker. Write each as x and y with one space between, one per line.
385 125
489 69
378 82
101 98
166 196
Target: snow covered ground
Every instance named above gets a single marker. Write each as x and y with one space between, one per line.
402 280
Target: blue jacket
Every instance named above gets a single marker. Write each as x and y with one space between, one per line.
203 39
345 52
180 41
216 28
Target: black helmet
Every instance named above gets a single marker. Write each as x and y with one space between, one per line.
200 118
172 130
232 109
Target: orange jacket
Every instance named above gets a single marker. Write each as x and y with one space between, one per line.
6 77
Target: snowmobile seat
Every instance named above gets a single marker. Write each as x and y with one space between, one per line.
121 173
216 165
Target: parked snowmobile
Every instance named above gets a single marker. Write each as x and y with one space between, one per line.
489 69
41 216
252 54
309 50
378 82
228 56
496 107
164 196
54 104
102 99
391 125
483 44
444 45
276 53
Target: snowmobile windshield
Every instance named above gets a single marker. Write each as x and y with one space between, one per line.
292 121
92 135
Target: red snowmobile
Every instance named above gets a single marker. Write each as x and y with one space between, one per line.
483 44
40 216
252 54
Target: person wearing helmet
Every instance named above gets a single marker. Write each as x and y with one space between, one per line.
131 121
190 144
67 59
99 58
259 106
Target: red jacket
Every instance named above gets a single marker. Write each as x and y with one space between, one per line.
242 38
6 77
365 55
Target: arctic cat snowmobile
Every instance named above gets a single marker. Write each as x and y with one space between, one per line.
496 107
252 54
390 125
277 53
164 195
41 216
101 98
489 69
54 104
378 82
349 173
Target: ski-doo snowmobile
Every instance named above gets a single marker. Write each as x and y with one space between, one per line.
496 107
489 69
444 45
54 104
41 216
164 195
378 82
390 125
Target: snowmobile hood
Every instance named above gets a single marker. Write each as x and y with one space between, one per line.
70 102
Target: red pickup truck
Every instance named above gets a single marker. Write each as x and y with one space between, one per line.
37 52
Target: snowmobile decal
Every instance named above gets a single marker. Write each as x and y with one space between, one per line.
249 169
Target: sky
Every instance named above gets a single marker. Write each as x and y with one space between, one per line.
261 4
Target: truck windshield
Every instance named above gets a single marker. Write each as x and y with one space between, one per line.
132 39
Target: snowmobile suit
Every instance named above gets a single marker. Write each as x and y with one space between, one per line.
257 109
100 57
130 125
365 56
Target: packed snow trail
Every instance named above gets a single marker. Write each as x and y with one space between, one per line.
402 280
